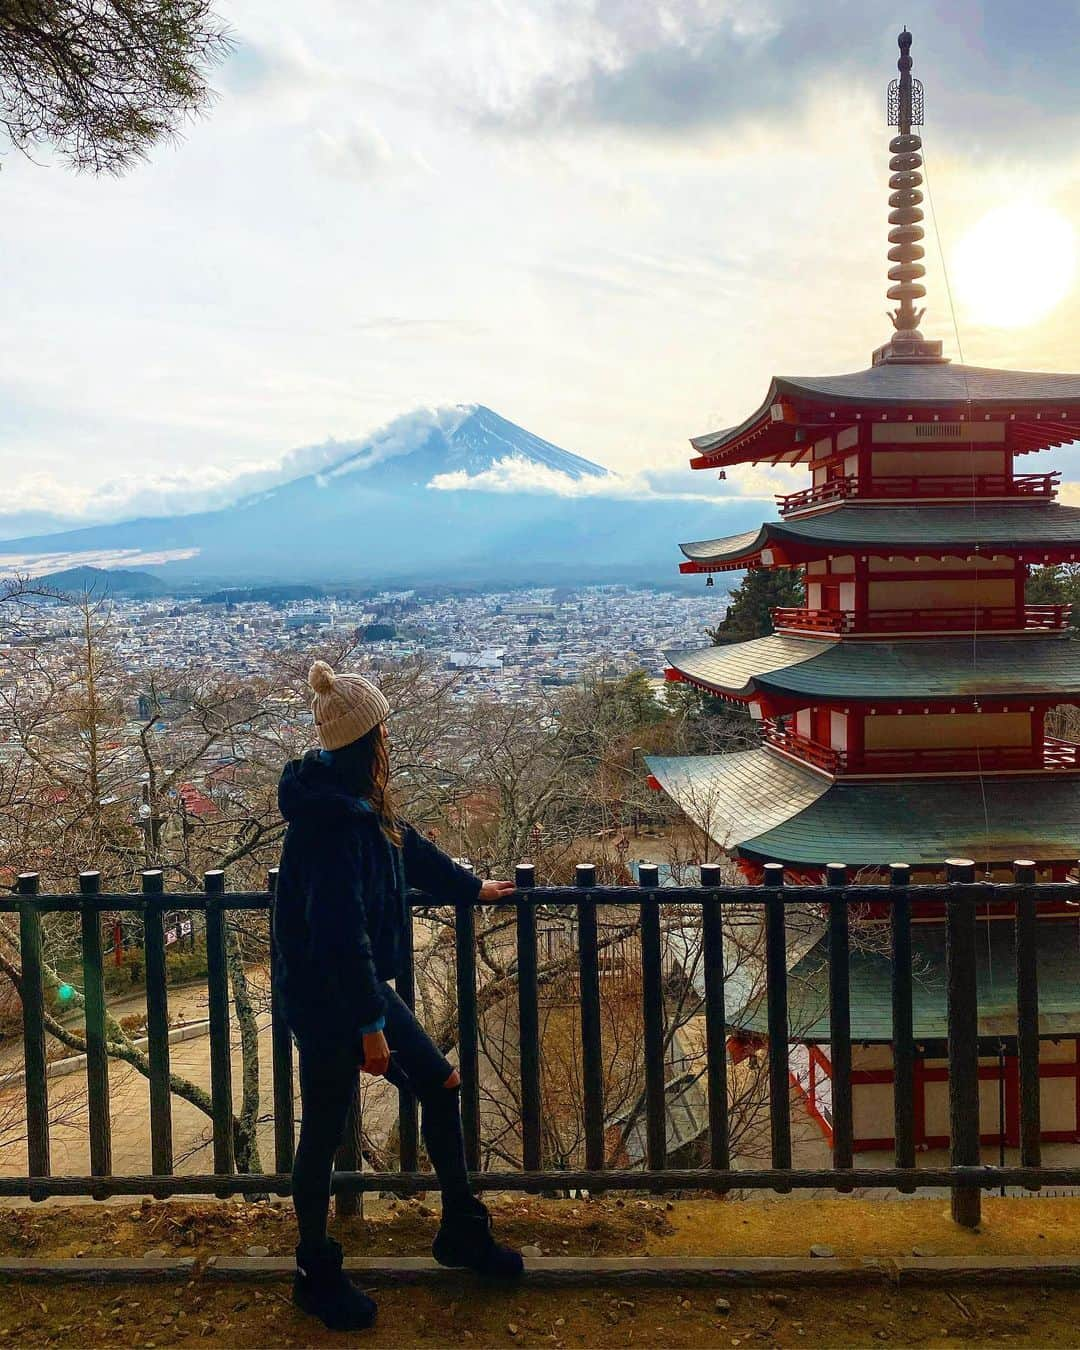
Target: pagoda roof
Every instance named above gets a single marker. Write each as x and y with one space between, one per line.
870 976
1038 528
770 808
900 387
884 671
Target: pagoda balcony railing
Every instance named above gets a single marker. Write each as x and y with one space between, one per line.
1048 618
1052 754
836 489
667 923
1059 754
961 485
802 747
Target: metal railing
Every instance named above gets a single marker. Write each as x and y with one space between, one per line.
1052 618
961 900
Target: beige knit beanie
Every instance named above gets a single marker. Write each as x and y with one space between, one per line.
345 707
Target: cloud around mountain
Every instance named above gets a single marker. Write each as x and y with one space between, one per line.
508 462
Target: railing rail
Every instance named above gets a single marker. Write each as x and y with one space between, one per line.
963 901
1052 754
1000 618
922 486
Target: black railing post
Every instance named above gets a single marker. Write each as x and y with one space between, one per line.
712 955
963 1018
776 993
281 1049
843 1150
408 1125
217 980
652 1007
1027 1016
157 1024
97 1061
902 1020
592 1064
32 993
468 1030
528 1019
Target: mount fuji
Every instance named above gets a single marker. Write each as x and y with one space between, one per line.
454 495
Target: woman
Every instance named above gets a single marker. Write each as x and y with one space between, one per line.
340 919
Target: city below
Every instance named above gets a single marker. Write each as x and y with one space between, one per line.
505 645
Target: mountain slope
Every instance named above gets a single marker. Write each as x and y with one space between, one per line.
520 509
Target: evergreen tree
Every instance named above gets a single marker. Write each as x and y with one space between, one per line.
1057 585
748 615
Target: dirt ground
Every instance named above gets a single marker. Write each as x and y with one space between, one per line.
463 1312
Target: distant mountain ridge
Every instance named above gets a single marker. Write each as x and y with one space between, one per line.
456 494
102 581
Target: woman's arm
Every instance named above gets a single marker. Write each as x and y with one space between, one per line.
429 869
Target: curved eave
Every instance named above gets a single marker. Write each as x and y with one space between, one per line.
1045 407
913 671
1033 531
870 986
766 809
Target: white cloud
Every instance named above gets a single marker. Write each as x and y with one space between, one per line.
360 150
513 474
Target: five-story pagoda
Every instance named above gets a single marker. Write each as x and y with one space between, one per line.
904 705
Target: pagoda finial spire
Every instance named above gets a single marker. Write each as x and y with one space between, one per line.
905 106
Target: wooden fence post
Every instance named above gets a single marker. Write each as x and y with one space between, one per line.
97 1061
32 993
963 1019
592 1063
157 1024
528 1020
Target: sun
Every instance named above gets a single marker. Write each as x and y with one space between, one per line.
1015 265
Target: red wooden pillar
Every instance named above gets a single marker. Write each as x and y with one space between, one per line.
856 739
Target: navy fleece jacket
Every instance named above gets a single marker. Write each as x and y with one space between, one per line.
340 912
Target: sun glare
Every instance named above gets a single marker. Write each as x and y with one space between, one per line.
1015 265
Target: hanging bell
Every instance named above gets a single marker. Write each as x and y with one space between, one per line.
709 580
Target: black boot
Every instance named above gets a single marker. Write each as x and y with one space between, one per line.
323 1289
465 1239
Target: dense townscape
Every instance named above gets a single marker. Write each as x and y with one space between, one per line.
503 645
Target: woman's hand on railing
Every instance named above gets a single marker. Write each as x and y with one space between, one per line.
492 891
376 1054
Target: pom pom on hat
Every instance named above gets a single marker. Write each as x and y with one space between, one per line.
321 677
345 707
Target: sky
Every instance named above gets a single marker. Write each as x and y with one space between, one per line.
610 221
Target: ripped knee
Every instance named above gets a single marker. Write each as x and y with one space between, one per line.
454 1081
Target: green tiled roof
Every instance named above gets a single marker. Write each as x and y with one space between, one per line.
870 980
906 668
772 809
991 527
734 797
932 385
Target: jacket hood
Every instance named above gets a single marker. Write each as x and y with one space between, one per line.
310 787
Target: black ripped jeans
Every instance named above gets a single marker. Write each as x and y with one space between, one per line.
327 1078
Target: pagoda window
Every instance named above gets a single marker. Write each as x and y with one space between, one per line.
838 730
